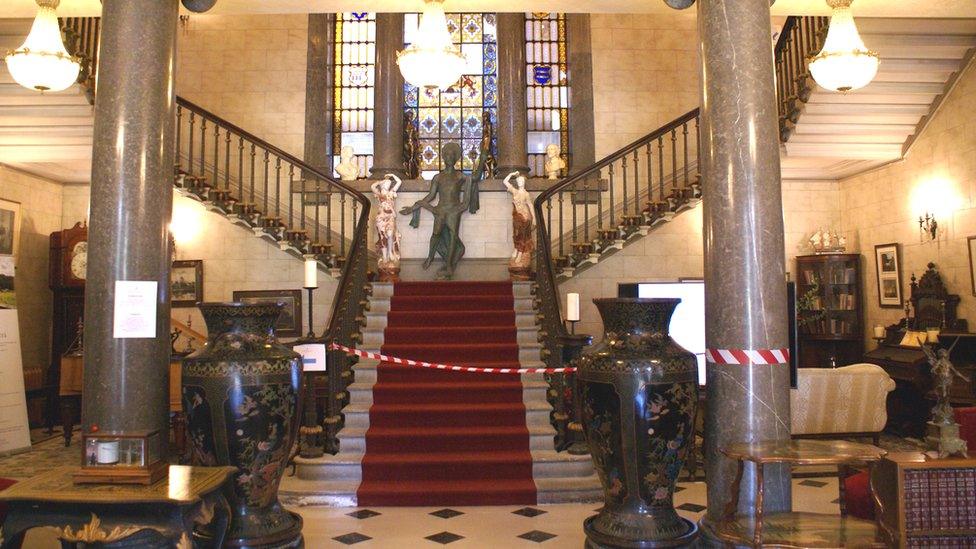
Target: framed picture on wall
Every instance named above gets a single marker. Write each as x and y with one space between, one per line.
186 283
9 227
888 262
971 241
290 321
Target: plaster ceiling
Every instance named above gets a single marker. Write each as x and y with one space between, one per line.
862 8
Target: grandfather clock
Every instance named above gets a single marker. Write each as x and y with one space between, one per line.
67 265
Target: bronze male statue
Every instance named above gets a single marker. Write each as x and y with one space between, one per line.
448 186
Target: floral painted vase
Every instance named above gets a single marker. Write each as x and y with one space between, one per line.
639 391
241 400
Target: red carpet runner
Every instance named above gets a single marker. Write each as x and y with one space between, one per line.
448 438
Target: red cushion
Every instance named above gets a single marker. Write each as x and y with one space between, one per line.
857 496
4 484
966 418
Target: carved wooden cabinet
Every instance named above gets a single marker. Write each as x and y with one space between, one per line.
830 322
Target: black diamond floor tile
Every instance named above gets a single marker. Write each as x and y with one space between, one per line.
363 514
814 483
693 507
351 538
529 512
537 536
446 513
444 538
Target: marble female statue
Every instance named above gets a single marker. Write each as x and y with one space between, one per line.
387 235
455 193
554 163
347 168
523 228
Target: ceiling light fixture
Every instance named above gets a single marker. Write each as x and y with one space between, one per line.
432 61
42 63
844 63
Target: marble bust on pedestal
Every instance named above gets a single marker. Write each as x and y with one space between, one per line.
347 168
554 163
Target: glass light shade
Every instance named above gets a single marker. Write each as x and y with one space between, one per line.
42 63
432 61
844 63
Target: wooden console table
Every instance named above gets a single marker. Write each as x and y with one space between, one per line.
159 515
795 529
928 502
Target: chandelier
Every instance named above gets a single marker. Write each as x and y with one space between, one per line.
432 61
42 63
844 63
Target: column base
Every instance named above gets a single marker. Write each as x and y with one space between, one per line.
378 172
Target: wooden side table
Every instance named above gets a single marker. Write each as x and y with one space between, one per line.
795 529
108 513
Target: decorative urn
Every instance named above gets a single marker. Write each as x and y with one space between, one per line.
638 392
241 400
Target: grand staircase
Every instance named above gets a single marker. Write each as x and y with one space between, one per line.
427 437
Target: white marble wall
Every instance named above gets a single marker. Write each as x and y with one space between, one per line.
40 210
250 70
939 174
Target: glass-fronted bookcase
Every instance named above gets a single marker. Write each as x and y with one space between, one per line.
829 308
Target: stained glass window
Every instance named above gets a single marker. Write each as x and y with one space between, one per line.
355 58
547 97
455 114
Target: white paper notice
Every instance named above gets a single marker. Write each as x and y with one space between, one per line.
14 433
135 309
313 356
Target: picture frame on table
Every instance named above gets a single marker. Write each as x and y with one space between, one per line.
971 244
290 322
186 283
887 259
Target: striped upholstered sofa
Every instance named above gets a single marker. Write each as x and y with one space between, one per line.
840 402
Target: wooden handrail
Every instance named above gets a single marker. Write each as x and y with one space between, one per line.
190 332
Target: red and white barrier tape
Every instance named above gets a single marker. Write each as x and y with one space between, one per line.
422 364
748 356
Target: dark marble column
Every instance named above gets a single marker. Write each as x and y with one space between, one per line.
513 153
745 282
127 380
319 78
582 137
388 98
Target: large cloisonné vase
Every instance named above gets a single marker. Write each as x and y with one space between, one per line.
639 391
241 400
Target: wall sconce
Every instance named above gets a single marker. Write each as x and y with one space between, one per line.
927 225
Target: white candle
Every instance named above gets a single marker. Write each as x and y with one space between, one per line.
311 273
572 307
879 331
